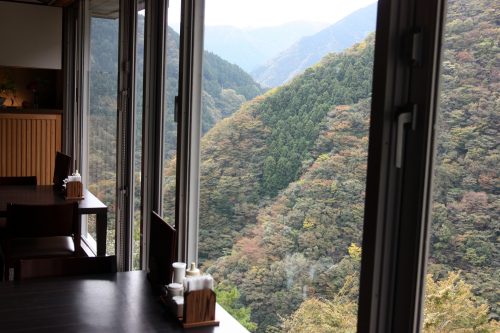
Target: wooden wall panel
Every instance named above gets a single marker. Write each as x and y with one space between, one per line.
28 145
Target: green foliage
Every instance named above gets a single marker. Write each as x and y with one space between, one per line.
229 298
320 316
450 306
294 112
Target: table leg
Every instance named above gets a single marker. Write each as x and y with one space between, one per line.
101 231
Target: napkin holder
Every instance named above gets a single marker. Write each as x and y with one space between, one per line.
74 190
199 309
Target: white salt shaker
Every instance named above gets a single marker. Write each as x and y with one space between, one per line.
179 271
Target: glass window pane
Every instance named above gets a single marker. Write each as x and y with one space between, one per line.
464 268
139 99
170 126
102 111
286 106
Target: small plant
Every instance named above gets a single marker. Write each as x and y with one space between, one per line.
7 87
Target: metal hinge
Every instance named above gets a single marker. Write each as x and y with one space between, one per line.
408 115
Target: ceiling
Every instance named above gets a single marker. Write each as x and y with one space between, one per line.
98 8
54 3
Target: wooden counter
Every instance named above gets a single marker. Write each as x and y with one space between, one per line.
29 142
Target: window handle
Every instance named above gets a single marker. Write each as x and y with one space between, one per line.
408 117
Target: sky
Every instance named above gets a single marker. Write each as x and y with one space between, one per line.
262 13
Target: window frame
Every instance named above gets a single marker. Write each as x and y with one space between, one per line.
395 231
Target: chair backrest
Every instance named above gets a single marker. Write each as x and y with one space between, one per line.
44 221
52 267
62 169
24 180
162 250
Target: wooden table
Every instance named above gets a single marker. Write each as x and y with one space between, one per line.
119 302
45 195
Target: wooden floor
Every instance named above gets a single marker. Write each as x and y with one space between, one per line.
120 302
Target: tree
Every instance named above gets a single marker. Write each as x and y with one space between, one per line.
229 298
450 306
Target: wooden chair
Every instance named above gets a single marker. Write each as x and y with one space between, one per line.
62 170
53 267
38 231
24 180
162 251
6 181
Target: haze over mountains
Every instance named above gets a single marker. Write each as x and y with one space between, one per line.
274 55
309 50
250 48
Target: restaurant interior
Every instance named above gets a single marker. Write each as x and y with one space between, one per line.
70 261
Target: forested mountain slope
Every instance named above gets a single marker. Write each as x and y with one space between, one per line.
299 246
225 85
258 151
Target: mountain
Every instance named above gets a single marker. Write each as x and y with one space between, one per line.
225 86
309 50
249 48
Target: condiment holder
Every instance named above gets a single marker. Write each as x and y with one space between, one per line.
73 187
193 301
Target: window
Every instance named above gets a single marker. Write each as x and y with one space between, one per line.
170 119
101 120
138 111
283 164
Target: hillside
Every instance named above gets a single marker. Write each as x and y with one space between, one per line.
309 50
295 248
224 83
252 155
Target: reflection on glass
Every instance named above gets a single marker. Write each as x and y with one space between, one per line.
464 270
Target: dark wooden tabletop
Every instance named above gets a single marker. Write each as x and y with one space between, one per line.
120 302
45 195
